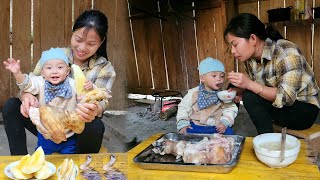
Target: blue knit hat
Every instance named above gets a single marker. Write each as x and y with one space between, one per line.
209 64
53 53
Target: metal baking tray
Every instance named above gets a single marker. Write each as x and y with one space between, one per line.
147 159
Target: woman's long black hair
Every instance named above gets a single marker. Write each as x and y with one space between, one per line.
246 24
99 22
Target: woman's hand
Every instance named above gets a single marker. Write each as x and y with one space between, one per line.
88 112
88 85
184 129
27 100
239 80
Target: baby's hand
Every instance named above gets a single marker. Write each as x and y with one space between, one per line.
88 85
184 129
12 65
221 128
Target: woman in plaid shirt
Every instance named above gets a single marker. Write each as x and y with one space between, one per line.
88 50
279 84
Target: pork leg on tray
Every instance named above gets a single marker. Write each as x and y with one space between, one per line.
216 150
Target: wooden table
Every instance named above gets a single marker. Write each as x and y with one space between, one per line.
98 161
249 167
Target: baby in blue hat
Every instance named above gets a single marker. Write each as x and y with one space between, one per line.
53 88
201 111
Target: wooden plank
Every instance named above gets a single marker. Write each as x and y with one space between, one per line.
156 54
301 36
60 32
143 62
248 1
131 68
251 7
315 128
4 51
210 28
209 4
139 33
190 50
52 24
206 34
21 38
316 55
36 33
222 48
272 4
120 49
144 90
172 44
68 22
230 9
82 5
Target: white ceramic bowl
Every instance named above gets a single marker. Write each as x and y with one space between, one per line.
267 149
226 96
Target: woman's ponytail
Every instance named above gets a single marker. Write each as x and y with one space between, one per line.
273 34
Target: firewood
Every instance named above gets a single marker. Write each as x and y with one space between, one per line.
168 113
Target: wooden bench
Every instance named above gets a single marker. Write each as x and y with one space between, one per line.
311 136
304 134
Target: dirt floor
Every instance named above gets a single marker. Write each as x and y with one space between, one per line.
138 124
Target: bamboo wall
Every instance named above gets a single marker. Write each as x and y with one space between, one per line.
168 48
52 27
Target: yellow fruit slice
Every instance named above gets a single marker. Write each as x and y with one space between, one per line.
44 172
79 78
35 162
18 174
22 161
16 170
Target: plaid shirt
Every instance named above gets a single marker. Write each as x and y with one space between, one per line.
283 66
98 70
